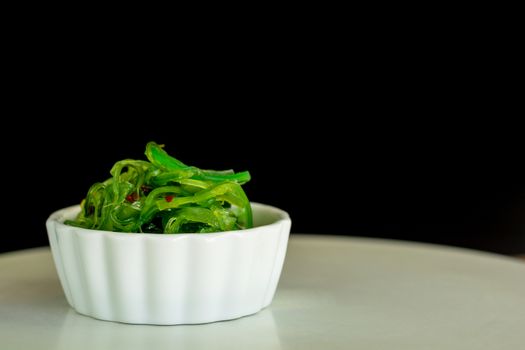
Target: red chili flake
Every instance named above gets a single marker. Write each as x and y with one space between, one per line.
133 197
169 198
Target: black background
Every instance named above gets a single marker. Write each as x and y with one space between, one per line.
422 145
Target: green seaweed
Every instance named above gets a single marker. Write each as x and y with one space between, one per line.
164 195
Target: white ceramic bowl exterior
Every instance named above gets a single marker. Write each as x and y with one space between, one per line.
170 279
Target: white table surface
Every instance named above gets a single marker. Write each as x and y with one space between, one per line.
334 293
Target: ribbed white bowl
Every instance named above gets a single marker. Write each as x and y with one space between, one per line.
170 278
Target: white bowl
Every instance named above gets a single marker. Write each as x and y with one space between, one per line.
170 279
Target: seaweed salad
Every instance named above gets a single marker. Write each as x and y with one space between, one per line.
164 195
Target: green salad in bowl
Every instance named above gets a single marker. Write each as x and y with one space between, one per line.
161 242
164 195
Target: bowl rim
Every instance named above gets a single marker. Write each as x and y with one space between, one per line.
57 219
